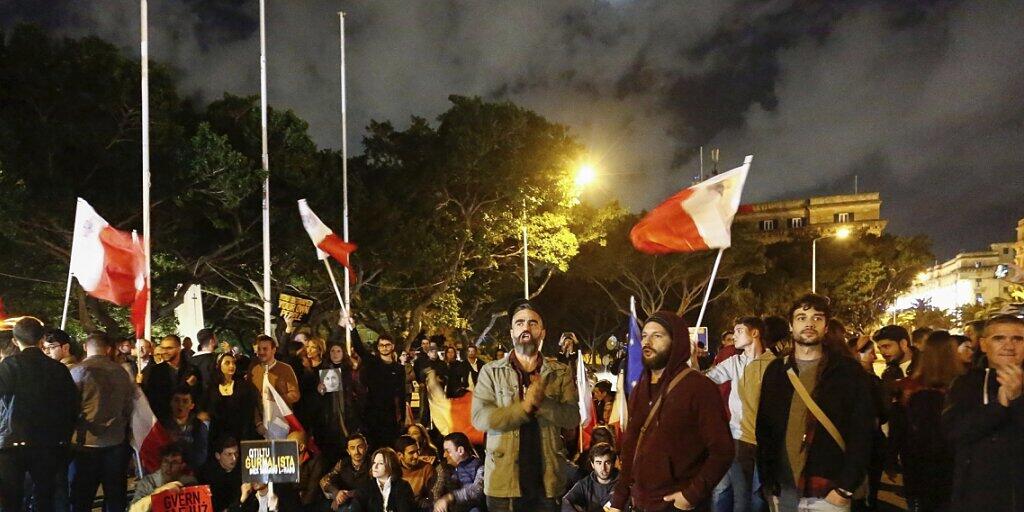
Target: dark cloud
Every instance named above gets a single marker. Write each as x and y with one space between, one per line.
919 99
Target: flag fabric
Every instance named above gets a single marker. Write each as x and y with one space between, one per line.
619 418
588 414
148 436
109 264
450 414
325 241
695 219
634 352
278 418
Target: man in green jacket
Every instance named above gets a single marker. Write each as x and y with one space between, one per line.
521 402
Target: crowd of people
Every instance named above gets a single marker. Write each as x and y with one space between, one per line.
791 415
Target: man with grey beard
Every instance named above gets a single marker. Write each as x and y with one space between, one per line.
522 402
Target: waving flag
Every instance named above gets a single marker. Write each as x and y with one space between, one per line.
619 418
634 352
588 415
278 418
148 436
109 264
325 241
450 414
695 219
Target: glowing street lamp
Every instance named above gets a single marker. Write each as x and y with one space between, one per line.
841 233
585 175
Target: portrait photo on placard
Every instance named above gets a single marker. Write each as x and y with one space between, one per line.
331 379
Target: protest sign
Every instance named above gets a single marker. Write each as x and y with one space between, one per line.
270 461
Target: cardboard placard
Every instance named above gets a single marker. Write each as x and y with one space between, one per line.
295 304
270 461
196 498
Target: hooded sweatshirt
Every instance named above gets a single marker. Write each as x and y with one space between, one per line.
687 446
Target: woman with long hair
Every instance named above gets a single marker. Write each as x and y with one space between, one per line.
427 449
231 405
306 409
386 491
340 412
924 454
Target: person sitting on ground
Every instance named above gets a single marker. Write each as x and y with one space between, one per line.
462 486
341 485
222 474
593 492
420 475
186 430
428 452
170 477
386 491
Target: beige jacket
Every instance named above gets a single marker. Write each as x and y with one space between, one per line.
750 394
496 411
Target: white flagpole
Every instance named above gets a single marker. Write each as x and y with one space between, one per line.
707 292
346 305
337 292
144 26
526 257
67 295
266 169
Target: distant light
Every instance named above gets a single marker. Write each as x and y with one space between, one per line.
585 175
923 276
842 233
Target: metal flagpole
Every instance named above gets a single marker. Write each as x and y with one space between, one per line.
707 293
67 293
144 25
347 303
266 169
334 282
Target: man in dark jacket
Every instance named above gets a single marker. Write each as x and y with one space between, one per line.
349 475
800 461
38 407
222 474
594 491
658 471
463 484
384 378
159 382
984 419
205 361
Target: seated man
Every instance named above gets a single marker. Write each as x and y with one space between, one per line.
420 475
186 430
593 492
463 487
222 474
170 477
348 475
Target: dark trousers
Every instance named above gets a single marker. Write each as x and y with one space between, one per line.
38 462
521 505
91 467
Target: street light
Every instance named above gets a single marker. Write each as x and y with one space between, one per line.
841 234
585 175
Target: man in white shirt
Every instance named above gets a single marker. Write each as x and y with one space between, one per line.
747 337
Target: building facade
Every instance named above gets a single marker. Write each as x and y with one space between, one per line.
816 216
968 278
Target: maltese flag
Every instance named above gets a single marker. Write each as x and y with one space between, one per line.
695 219
278 418
109 264
325 241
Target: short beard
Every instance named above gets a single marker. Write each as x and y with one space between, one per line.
658 362
800 341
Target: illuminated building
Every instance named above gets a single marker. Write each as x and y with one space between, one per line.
812 217
967 278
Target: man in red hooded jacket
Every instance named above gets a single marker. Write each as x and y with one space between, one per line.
677 446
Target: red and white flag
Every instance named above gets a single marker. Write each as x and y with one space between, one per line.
325 241
109 264
148 436
695 219
588 414
278 418
619 418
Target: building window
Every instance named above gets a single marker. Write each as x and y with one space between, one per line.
843 217
1006 250
767 225
796 222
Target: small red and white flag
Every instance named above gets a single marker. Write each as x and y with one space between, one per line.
588 414
619 418
695 219
325 241
109 264
148 436
278 418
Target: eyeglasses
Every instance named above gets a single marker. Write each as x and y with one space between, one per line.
51 346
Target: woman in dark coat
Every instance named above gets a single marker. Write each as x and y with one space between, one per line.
386 473
231 405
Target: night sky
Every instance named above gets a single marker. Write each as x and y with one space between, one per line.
922 100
